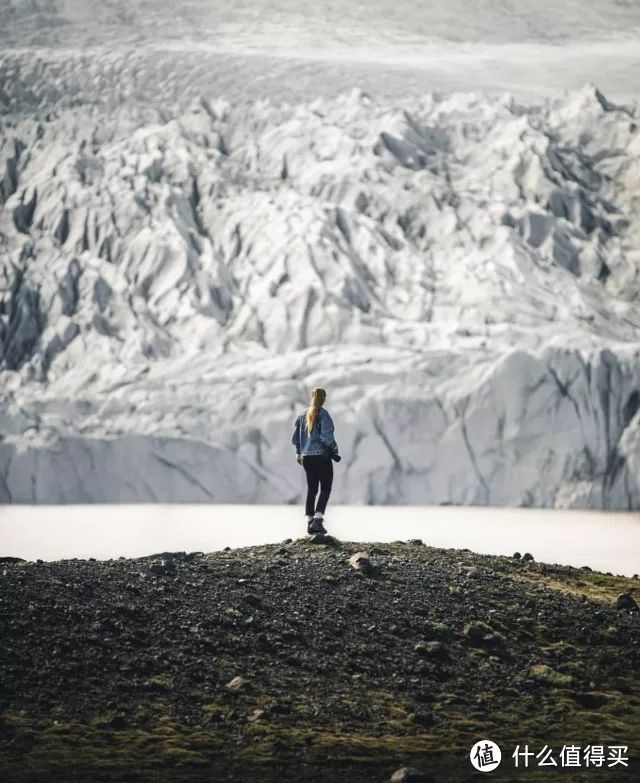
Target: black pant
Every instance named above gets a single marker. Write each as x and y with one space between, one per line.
319 470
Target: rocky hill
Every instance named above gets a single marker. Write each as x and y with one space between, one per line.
300 662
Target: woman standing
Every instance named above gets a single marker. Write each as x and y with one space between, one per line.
315 449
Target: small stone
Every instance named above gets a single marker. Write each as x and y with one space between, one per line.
480 634
361 562
332 580
591 700
431 649
255 715
280 709
164 568
422 718
528 557
117 722
585 568
516 556
626 601
410 775
237 683
475 632
415 542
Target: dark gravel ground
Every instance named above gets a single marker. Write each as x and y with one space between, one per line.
120 670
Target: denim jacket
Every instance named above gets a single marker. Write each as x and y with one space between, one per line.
321 440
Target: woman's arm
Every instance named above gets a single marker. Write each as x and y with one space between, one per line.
296 435
327 429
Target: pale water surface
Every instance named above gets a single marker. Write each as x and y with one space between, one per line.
606 541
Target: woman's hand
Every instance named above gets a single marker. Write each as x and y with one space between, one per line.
299 459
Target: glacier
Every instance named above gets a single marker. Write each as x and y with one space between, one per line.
178 268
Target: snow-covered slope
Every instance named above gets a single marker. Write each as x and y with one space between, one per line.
460 271
302 48
31 21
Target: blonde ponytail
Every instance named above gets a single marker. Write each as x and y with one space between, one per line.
318 396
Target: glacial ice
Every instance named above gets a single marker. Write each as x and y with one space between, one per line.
459 270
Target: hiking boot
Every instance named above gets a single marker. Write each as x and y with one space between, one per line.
316 526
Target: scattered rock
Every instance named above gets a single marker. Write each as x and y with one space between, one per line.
591 700
431 649
432 631
118 723
626 601
255 715
237 683
415 542
422 718
528 557
164 568
475 632
410 775
280 709
332 580
361 562
516 555
480 634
